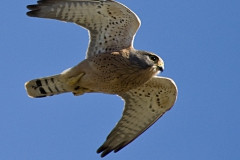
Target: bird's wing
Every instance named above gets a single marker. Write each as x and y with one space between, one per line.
143 106
111 25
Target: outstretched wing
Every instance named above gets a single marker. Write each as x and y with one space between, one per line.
112 26
143 106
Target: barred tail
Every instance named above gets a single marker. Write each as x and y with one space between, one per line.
46 86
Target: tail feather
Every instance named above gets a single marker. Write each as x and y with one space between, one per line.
46 86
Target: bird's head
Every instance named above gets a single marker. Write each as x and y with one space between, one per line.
149 61
152 61
156 62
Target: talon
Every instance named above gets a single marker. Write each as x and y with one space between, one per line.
78 94
71 81
80 91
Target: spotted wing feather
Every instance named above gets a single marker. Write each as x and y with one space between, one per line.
143 106
111 25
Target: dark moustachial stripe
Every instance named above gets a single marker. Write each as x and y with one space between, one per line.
39 83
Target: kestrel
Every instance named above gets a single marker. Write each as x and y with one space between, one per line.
112 66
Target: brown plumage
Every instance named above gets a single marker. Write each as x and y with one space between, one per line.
112 66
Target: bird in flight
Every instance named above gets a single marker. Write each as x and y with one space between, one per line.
111 66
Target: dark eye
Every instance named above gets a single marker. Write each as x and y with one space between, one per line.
153 58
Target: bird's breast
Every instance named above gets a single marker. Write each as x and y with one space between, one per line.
113 74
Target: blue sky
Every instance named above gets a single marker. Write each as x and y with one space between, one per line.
200 44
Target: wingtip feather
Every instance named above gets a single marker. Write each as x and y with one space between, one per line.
32 13
33 10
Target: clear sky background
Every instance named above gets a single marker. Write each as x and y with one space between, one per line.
200 44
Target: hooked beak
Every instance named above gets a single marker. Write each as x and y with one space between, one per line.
160 68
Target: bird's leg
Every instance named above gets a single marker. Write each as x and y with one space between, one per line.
73 80
77 90
80 91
